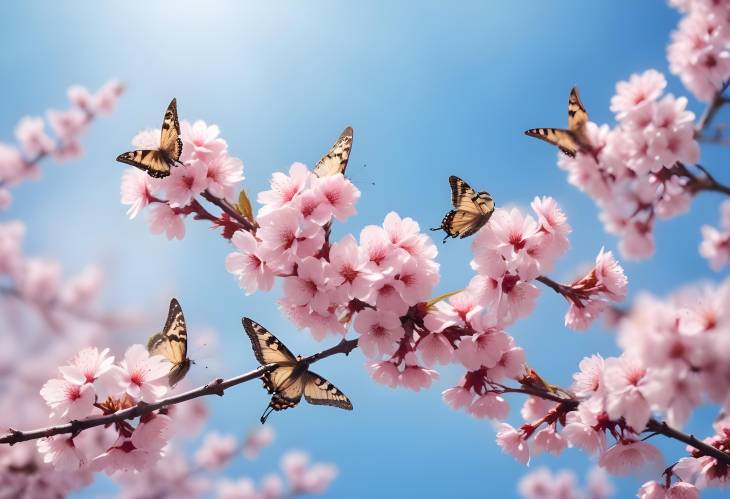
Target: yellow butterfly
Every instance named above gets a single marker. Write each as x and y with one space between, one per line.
172 343
471 210
335 161
157 162
291 378
573 139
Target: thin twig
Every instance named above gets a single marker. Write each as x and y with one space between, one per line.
712 108
228 208
216 387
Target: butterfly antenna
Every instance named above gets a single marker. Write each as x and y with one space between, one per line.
269 409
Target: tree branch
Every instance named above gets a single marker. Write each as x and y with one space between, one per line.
712 108
216 387
661 428
227 208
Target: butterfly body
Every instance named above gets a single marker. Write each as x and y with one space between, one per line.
472 210
572 139
335 161
291 379
157 162
172 343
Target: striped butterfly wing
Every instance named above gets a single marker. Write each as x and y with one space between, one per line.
577 114
319 391
285 386
558 137
266 347
471 210
170 141
172 343
157 162
335 161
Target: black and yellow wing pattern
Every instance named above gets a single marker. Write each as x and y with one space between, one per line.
157 162
290 379
172 343
471 212
335 161
572 139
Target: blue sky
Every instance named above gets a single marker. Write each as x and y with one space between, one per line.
431 89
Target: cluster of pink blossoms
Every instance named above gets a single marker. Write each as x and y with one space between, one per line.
382 282
700 49
635 170
77 394
542 484
676 356
715 246
174 475
207 170
19 163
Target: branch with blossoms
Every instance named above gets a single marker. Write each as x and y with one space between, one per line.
637 172
542 484
176 475
21 162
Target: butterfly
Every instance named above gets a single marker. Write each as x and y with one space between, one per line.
157 162
573 139
471 210
335 161
291 378
172 343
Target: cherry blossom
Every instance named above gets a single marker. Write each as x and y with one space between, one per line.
142 376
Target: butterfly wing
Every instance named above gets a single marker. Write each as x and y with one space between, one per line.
577 114
267 348
556 136
151 161
170 141
471 210
335 161
285 386
319 391
172 343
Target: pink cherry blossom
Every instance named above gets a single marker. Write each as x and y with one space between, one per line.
415 377
136 190
631 391
630 457
379 332
350 269
457 397
201 141
635 94
89 365
216 450
310 286
284 188
164 219
490 405
338 197
257 440
248 265
435 348
679 490
285 236
223 174
185 182
68 400
141 376
482 349
243 488
61 452
549 440
511 442
32 137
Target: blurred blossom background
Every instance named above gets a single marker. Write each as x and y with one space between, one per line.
431 89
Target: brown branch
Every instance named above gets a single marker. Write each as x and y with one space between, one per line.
229 209
216 387
660 428
711 110
561 289
699 183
